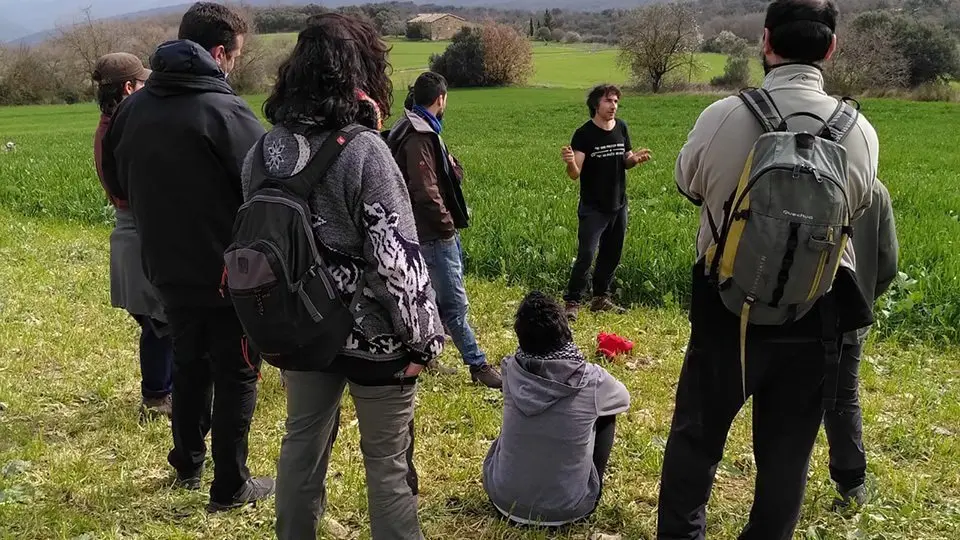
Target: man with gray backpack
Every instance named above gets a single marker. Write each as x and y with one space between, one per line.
781 174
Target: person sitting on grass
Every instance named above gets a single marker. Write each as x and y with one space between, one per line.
559 414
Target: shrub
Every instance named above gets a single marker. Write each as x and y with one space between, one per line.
557 34
507 56
936 91
414 31
493 55
572 37
543 34
736 73
462 63
726 42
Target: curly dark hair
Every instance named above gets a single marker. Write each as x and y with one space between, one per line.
541 324
335 56
598 93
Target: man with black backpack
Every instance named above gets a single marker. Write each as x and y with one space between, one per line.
175 149
781 173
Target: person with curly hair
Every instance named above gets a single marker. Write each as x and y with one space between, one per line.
555 404
337 76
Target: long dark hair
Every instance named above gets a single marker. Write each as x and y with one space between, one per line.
109 96
335 56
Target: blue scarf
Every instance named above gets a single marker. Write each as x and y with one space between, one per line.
429 117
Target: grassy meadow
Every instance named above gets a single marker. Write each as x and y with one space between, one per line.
556 65
75 462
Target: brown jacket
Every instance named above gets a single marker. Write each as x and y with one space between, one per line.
434 186
116 200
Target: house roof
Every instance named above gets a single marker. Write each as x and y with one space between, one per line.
432 17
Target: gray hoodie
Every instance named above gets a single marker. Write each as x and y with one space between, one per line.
541 467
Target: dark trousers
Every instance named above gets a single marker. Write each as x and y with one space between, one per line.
844 425
600 235
785 374
214 386
603 445
156 358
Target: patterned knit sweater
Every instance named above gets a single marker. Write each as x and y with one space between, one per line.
364 224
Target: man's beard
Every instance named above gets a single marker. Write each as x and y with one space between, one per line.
440 116
766 65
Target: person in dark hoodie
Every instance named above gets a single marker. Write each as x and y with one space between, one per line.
433 177
555 404
336 76
175 150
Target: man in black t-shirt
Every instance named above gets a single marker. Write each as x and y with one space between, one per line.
599 157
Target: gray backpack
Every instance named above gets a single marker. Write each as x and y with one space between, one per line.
787 223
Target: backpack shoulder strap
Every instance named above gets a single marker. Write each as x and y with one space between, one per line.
843 119
307 179
761 104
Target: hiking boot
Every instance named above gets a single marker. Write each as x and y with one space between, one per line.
254 490
435 366
191 482
604 303
486 375
157 407
572 308
855 498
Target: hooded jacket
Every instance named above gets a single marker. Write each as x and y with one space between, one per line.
541 467
174 150
433 178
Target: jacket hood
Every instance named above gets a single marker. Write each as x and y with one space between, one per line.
183 66
410 121
535 383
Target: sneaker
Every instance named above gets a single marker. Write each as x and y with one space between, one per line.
486 375
604 303
572 308
191 482
436 367
254 490
855 498
157 407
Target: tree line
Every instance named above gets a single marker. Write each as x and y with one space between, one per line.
884 45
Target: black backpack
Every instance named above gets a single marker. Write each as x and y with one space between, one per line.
283 294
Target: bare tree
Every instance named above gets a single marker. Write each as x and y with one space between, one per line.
866 59
659 40
507 55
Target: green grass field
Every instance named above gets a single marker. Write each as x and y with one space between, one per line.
524 207
556 65
75 462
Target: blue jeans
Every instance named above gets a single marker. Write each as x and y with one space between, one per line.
156 358
445 261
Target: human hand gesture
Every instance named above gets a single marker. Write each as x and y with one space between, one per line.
568 155
638 157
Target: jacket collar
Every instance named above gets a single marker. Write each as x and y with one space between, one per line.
417 123
795 76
